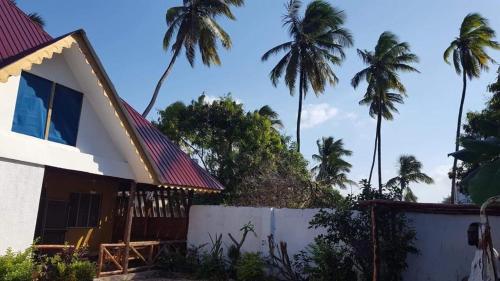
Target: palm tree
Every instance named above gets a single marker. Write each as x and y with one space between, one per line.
469 59
332 169
318 41
196 26
409 170
35 17
272 115
381 74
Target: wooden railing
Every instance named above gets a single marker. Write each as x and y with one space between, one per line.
142 256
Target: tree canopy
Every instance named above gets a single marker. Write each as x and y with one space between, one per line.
244 150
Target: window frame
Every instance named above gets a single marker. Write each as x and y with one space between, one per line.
74 223
50 106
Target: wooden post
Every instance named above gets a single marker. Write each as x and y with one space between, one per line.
100 262
128 226
375 244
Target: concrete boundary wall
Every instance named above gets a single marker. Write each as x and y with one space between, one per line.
441 238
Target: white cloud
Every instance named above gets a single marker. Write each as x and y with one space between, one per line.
316 114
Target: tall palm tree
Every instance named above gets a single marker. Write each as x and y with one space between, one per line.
332 169
409 170
468 51
196 26
381 75
318 41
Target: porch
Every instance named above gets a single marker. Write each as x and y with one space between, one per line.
124 226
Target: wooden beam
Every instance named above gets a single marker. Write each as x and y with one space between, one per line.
128 226
375 269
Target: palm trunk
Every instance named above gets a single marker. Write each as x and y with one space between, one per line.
160 82
374 154
299 114
457 141
379 135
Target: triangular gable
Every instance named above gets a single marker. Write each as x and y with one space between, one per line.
165 163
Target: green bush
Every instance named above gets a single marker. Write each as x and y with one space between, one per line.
67 266
250 267
212 264
325 262
83 270
16 266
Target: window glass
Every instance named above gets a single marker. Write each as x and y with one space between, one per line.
65 116
84 210
30 115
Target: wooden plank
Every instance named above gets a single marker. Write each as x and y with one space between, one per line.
128 226
177 203
157 202
163 203
170 202
138 254
112 258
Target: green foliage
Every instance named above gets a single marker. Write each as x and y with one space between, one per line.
180 261
243 150
332 170
325 262
468 50
318 42
16 266
409 170
213 265
349 229
250 267
481 150
234 251
66 266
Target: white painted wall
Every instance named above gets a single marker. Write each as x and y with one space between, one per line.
441 239
95 152
290 225
20 187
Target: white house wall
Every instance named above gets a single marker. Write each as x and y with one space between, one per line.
95 152
20 186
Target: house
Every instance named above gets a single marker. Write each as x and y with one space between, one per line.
72 152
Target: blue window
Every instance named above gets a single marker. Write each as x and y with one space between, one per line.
65 117
32 105
39 98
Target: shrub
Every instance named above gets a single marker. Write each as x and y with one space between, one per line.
180 261
16 266
250 267
324 262
83 270
213 265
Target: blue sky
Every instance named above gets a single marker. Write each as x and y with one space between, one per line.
127 36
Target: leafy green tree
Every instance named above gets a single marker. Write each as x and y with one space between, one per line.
332 169
195 26
381 75
318 41
468 52
409 170
243 150
480 168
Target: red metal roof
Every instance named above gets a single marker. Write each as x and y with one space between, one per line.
175 167
18 34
